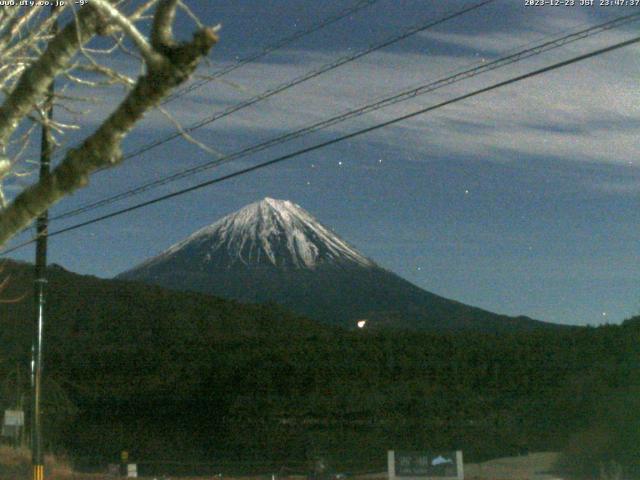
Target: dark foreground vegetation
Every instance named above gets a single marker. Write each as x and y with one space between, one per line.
177 376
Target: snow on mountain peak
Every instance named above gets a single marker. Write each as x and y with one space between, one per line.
268 232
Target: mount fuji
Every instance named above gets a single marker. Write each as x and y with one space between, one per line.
275 251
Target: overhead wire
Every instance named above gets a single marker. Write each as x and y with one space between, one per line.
307 76
341 138
382 103
362 4
314 73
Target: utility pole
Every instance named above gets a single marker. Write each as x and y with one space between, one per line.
42 225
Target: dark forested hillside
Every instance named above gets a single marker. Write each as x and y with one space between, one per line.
170 375
341 296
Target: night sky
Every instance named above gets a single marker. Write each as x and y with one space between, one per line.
522 201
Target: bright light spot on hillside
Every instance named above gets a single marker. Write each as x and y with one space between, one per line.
361 323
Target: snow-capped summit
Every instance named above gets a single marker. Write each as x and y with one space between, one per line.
266 233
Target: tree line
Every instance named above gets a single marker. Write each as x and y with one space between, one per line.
170 375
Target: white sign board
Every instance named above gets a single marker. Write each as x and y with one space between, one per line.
14 418
132 470
425 465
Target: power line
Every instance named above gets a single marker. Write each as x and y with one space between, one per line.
327 143
387 101
265 51
362 4
308 76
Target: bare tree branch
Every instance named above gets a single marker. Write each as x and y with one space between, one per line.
162 31
4 283
188 137
34 82
149 54
5 166
144 8
31 58
102 148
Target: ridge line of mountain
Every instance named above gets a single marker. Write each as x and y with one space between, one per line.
275 251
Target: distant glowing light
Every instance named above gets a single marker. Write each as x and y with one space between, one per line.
340 163
604 314
361 323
